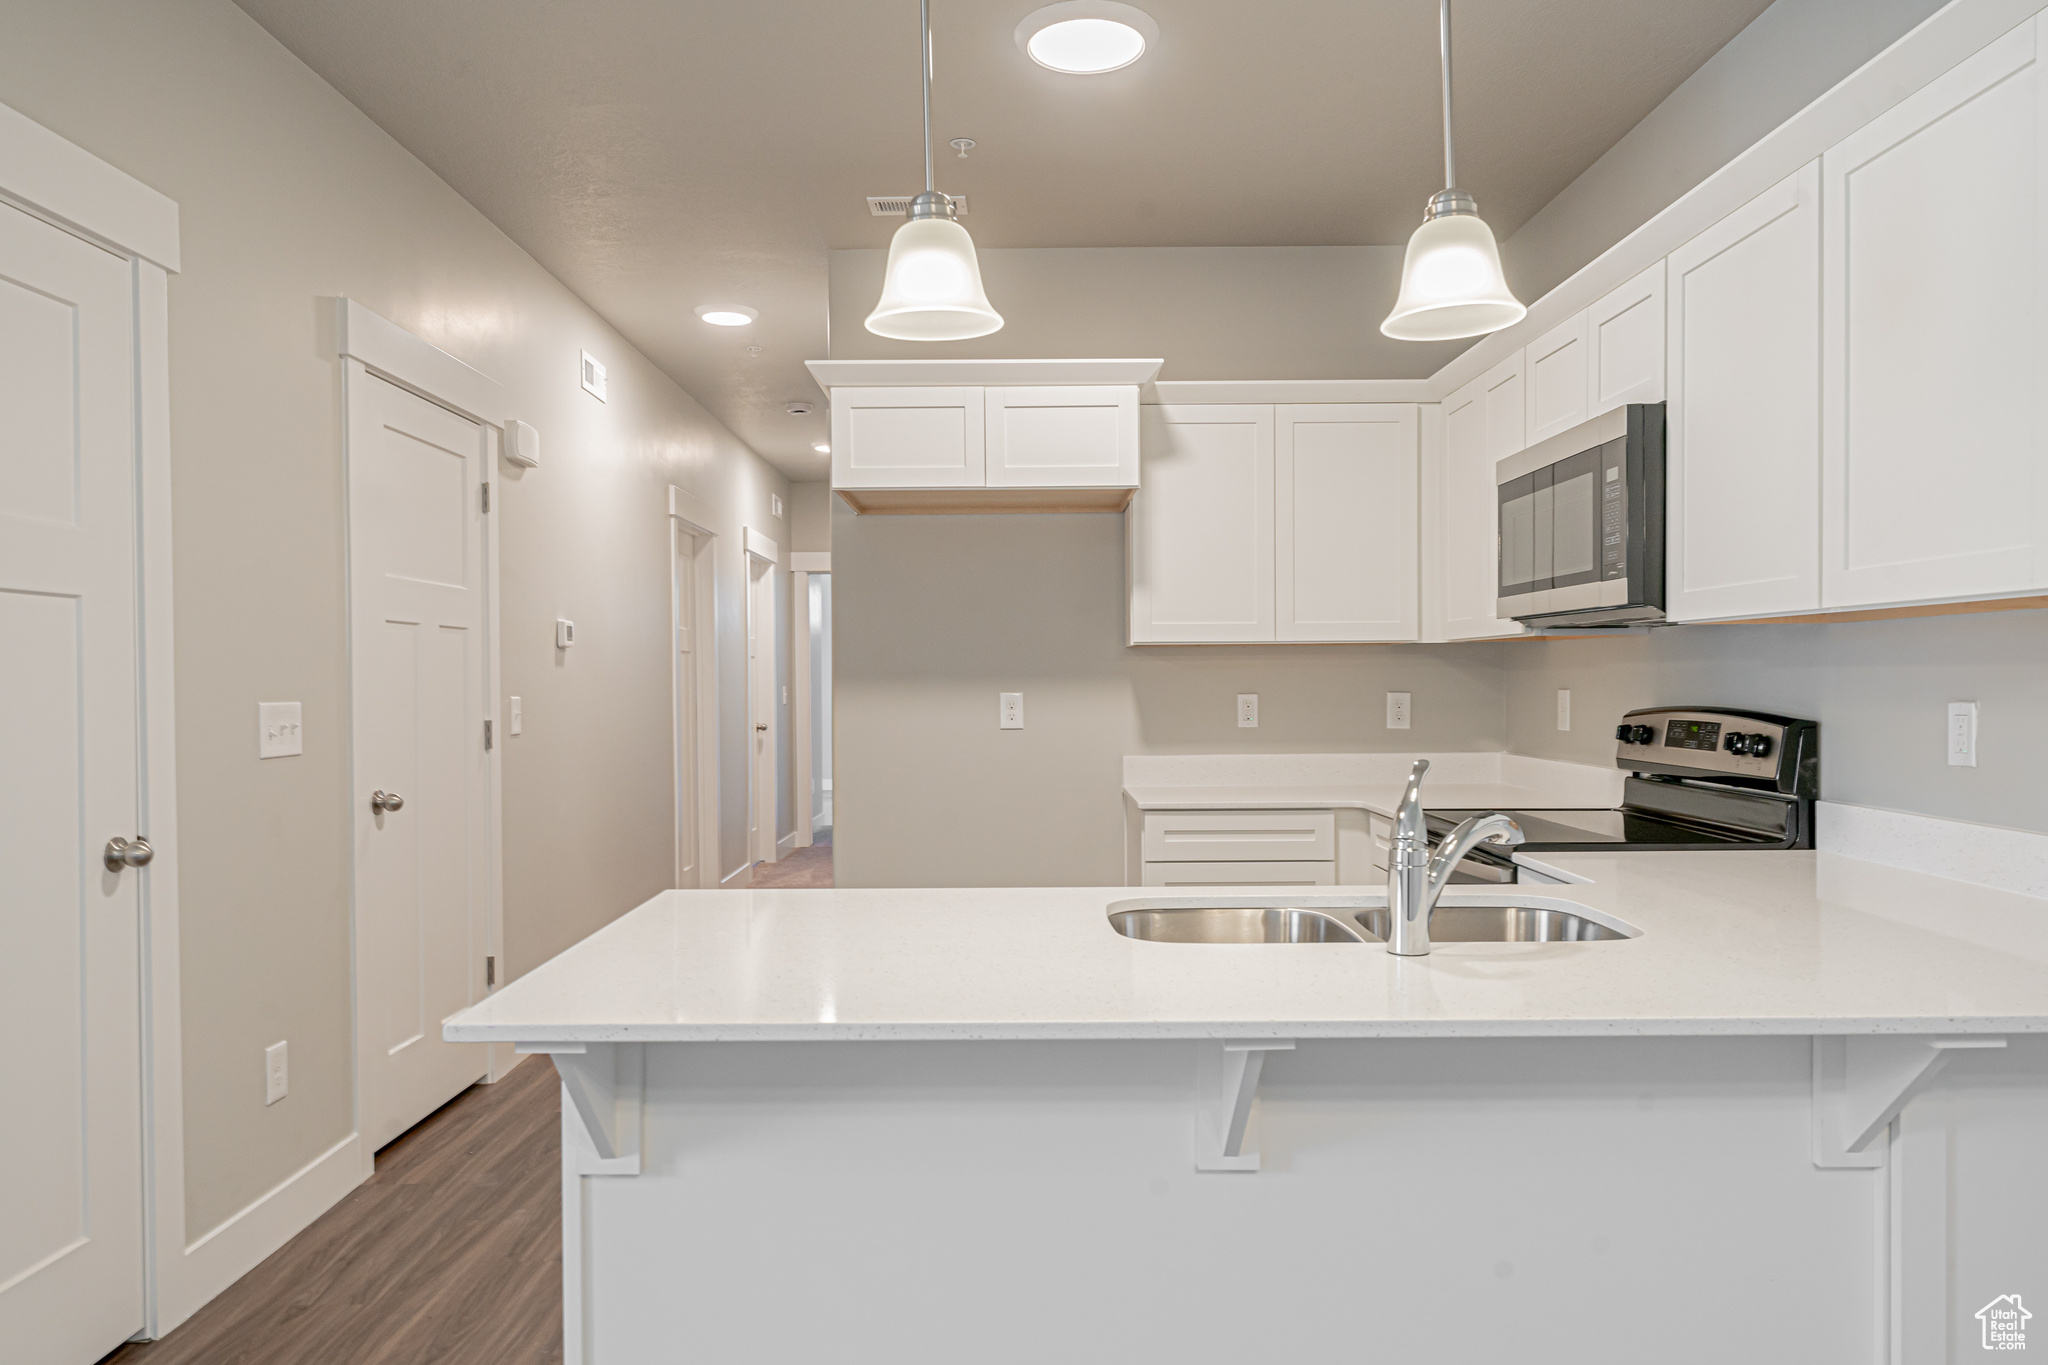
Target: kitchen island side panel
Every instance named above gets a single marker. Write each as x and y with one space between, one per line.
1447 1199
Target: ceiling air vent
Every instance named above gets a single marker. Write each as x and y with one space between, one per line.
898 205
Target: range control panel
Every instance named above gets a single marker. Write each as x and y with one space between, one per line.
1779 752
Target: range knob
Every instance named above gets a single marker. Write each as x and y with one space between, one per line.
1641 734
1759 746
1736 743
1625 733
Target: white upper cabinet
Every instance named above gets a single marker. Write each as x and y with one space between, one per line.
1935 452
922 437
1200 530
1554 380
1344 536
1625 345
1742 434
1464 517
1063 436
1500 389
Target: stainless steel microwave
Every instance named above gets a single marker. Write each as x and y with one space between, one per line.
1582 523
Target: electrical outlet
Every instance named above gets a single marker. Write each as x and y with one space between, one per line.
276 1080
1397 710
1247 710
565 634
1009 710
518 721
1962 734
1564 708
278 730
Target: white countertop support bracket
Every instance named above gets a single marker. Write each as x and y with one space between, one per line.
604 1084
1226 1084
1861 1083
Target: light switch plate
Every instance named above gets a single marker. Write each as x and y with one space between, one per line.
279 733
593 376
1247 710
774 504
1564 708
565 633
1962 734
1010 710
276 1077
517 722
1397 710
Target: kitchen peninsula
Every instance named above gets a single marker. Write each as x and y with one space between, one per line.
870 1123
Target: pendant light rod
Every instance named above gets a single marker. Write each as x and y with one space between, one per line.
1450 161
924 50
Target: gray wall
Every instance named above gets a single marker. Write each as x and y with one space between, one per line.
1786 58
289 196
1880 690
936 615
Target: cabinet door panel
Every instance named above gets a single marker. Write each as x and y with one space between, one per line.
1063 436
1625 344
1345 502
907 438
1200 530
1742 433
1934 456
1506 423
1468 522
1556 380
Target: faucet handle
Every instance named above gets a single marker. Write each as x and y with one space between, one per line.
1408 822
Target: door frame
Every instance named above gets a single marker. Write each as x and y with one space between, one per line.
690 519
762 845
68 187
802 564
373 346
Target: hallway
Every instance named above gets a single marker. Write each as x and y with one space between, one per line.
806 869
451 1253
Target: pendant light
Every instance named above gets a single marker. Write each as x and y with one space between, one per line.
931 290
1451 280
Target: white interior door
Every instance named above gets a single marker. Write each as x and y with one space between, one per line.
760 710
71 1257
418 589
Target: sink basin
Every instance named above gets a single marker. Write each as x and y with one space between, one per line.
1237 924
1499 924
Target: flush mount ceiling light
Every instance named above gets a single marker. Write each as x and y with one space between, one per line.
931 288
726 315
1451 280
1086 37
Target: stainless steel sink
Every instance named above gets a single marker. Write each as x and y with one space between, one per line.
1237 924
1499 924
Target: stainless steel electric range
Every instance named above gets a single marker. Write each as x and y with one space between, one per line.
1700 777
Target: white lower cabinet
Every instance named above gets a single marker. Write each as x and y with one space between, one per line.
1250 847
1934 447
1255 523
1742 434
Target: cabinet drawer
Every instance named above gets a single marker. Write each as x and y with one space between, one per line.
1240 874
1239 836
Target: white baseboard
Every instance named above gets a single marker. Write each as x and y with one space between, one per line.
786 845
244 1241
1983 855
737 878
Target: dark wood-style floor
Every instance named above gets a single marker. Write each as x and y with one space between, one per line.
451 1253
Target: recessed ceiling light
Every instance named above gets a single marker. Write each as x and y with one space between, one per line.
726 315
822 448
1086 37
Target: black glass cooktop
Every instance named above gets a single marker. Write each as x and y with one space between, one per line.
1560 831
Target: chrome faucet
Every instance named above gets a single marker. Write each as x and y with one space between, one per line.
1414 879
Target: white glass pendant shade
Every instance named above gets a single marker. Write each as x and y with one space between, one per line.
931 290
1451 283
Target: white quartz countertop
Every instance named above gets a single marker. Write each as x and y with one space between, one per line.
1732 942
1381 798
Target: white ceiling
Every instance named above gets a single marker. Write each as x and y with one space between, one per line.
661 154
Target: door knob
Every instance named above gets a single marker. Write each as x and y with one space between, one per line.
382 801
760 725
128 853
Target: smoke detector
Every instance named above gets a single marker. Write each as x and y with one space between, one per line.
797 409
898 205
